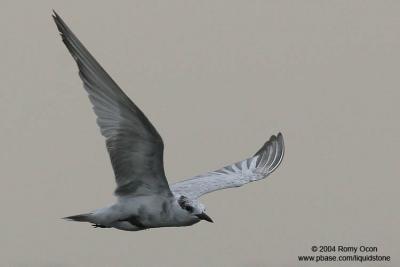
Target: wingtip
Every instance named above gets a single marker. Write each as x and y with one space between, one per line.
277 139
281 141
59 21
279 136
54 15
280 152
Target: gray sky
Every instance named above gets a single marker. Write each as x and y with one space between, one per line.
216 78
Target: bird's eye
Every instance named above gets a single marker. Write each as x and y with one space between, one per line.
189 208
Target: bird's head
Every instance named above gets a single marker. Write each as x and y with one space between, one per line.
194 208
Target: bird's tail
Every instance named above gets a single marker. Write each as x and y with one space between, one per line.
85 217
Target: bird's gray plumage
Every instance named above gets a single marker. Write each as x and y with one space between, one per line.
134 145
145 200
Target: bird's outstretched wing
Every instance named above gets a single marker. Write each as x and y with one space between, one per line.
134 145
264 162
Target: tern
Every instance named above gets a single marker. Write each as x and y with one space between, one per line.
144 198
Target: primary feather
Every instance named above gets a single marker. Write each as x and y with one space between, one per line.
263 163
134 145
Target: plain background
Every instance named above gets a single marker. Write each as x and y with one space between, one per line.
216 78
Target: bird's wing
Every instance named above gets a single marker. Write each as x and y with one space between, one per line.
255 168
134 145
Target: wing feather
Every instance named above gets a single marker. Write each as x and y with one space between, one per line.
134 145
255 168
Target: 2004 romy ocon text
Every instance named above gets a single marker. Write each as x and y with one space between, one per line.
347 249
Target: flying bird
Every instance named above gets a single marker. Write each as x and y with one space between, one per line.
144 197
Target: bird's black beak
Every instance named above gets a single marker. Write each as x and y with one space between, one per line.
204 216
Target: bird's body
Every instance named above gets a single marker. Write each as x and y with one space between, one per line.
144 197
141 212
